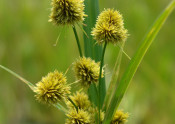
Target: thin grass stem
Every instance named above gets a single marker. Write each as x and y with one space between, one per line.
83 30
73 103
77 39
100 78
114 79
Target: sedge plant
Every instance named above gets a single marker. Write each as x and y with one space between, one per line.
94 103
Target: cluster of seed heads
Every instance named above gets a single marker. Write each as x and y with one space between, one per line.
53 88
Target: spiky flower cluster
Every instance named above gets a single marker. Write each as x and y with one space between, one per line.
82 116
109 27
81 101
78 117
120 117
67 12
87 71
52 88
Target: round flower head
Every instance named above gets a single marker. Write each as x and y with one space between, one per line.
81 101
109 27
87 71
94 113
52 88
67 11
78 117
119 117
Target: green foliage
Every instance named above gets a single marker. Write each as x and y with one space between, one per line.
135 62
26 47
91 48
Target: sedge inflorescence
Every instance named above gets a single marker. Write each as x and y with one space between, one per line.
85 114
109 27
87 71
67 12
52 88
81 101
82 115
120 117
78 117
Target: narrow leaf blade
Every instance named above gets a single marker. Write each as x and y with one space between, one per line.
18 76
135 62
91 48
114 79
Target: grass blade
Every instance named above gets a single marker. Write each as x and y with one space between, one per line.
114 79
135 61
88 45
100 84
19 77
91 48
93 94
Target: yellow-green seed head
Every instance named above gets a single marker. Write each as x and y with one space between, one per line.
102 115
87 71
80 117
109 27
120 117
67 12
81 101
94 113
52 88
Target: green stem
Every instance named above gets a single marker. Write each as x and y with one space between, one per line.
77 39
100 78
114 79
73 103
135 62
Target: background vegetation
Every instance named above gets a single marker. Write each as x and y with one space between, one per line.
26 46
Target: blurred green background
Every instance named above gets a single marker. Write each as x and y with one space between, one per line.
26 46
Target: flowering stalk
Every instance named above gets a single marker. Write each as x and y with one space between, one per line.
73 103
77 39
114 79
100 78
